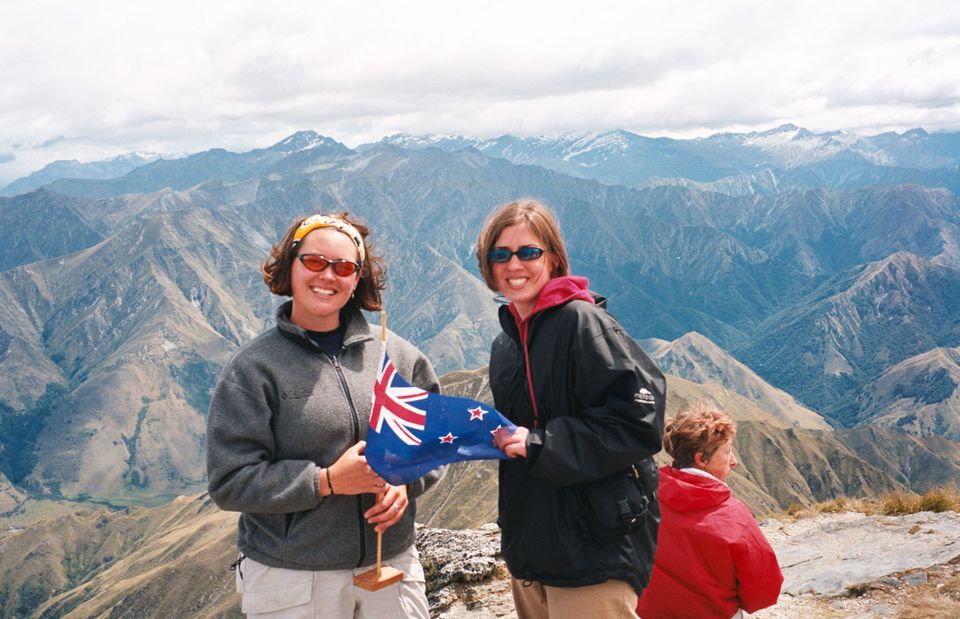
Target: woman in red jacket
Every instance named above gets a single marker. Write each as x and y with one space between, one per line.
712 559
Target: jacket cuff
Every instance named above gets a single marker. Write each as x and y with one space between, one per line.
318 483
534 445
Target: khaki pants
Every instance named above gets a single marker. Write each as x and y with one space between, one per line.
613 599
277 593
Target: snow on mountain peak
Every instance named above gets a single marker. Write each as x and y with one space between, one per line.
439 140
302 140
584 143
794 146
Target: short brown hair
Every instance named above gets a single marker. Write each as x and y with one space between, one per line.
702 428
373 272
542 223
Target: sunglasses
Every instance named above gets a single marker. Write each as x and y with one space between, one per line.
525 253
317 263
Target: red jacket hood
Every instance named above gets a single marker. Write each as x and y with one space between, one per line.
686 492
558 291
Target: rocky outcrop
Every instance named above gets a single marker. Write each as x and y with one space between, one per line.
838 565
465 575
830 554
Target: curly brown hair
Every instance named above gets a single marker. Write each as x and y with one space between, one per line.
542 223
702 428
277 267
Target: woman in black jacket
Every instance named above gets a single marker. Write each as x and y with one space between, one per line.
577 500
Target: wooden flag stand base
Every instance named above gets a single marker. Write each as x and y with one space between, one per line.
381 576
378 578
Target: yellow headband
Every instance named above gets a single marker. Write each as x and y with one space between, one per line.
325 221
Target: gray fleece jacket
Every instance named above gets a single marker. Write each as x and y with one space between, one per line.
281 411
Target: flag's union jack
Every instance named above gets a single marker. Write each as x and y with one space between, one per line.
391 404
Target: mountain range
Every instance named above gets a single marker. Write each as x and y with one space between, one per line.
782 158
108 168
827 304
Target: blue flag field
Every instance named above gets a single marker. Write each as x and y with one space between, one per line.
413 431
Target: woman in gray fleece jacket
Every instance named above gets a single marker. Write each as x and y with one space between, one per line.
285 438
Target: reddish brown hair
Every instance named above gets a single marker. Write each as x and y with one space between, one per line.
277 267
702 428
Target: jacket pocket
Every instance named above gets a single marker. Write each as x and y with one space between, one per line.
268 589
621 503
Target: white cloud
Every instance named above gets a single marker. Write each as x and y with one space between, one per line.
90 80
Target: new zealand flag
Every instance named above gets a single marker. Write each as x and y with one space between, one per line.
413 431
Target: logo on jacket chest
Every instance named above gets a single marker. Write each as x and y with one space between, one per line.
643 397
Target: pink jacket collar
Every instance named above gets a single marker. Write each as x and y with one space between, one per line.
558 291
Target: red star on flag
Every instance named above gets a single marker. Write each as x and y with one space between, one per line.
494 431
477 413
449 438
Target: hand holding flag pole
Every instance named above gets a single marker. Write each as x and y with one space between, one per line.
379 577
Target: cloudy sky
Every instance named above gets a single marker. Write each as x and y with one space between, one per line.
89 80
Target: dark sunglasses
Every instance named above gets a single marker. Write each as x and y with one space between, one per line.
525 253
317 263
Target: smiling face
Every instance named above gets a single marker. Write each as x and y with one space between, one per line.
518 280
319 297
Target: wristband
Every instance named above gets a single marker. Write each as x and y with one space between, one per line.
329 483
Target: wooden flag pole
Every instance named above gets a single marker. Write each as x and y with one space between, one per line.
380 577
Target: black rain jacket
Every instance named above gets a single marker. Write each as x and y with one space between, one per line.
599 409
